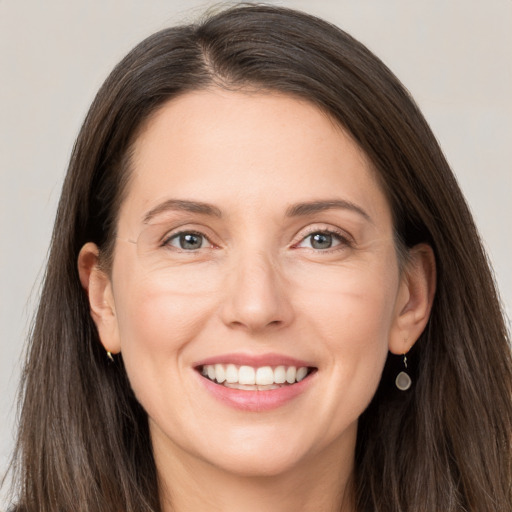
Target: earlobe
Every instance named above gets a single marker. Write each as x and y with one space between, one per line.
98 287
415 299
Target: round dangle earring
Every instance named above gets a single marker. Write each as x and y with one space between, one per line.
403 382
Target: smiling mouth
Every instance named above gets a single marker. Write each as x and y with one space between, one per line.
249 378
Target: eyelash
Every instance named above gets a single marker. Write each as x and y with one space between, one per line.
344 240
174 236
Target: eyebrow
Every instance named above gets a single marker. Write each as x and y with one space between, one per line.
183 205
296 210
309 208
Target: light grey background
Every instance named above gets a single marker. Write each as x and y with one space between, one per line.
454 56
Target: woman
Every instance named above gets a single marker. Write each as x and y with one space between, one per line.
265 292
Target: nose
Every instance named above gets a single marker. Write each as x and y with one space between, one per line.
257 297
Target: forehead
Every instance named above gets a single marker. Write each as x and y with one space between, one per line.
249 150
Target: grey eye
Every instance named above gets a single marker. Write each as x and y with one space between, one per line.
188 241
321 240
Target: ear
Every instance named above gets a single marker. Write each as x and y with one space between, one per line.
415 298
98 287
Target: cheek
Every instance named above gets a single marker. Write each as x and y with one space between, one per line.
156 322
349 319
147 319
353 302
159 310
354 329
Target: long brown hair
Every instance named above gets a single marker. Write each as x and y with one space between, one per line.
444 445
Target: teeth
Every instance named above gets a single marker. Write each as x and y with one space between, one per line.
251 388
231 373
246 375
249 378
280 375
264 376
291 373
220 374
301 373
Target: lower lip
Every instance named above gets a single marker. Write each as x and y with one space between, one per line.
256 401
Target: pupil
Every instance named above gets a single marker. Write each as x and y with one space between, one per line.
190 241
321 241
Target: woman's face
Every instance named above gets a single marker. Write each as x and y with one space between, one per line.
264 245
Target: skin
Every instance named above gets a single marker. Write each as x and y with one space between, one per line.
257 285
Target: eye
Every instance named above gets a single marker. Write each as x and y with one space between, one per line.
322 240
188 241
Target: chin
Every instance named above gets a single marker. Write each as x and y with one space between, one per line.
261 465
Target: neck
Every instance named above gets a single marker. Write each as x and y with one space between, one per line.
320 483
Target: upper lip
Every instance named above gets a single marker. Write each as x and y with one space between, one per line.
254 360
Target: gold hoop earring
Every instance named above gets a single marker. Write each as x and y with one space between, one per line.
109 356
